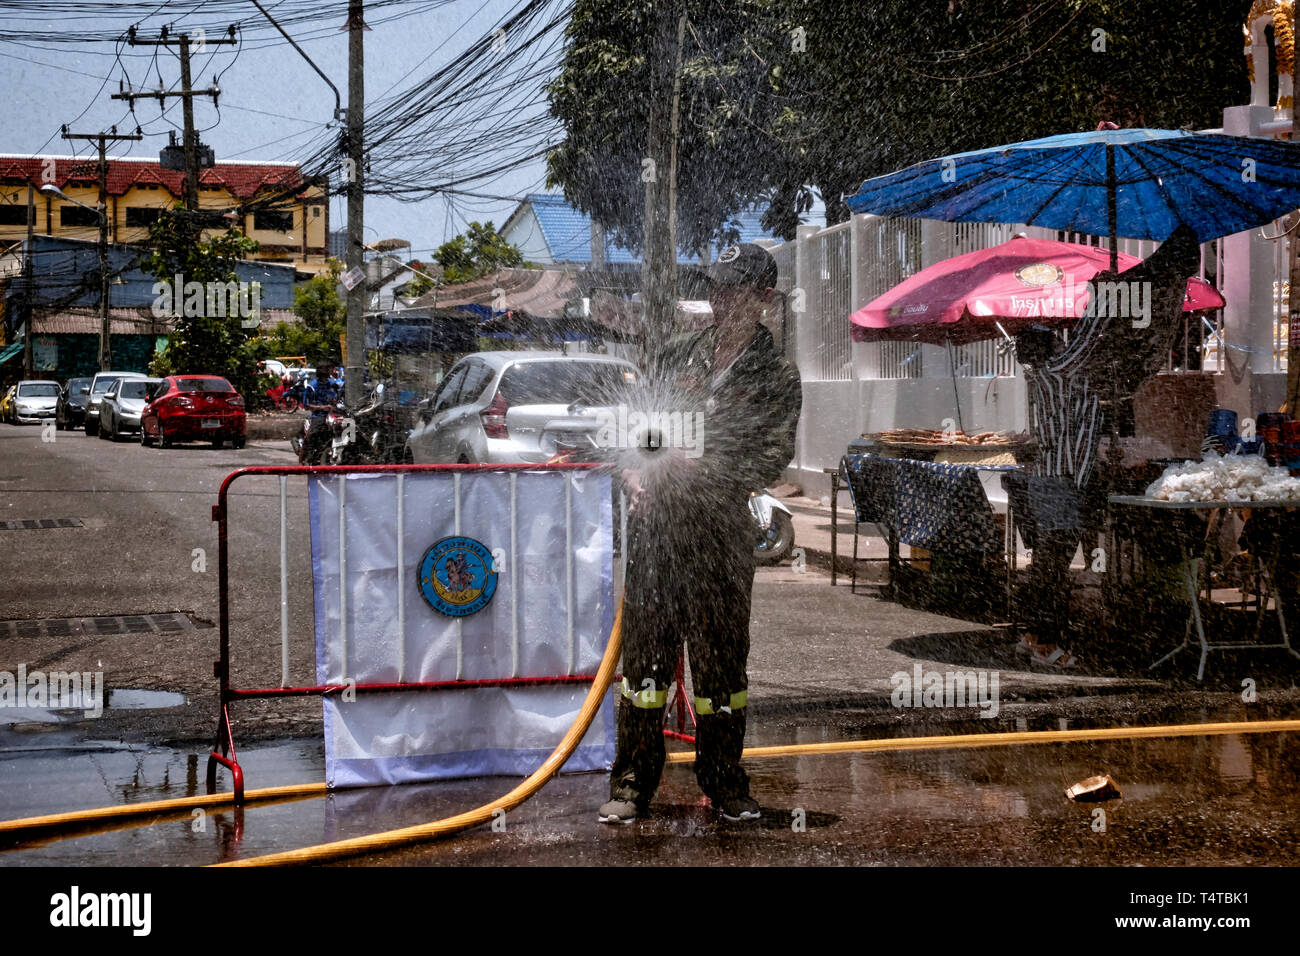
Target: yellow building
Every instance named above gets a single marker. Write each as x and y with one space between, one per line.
287 213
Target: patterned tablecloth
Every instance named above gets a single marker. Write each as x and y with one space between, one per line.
939 507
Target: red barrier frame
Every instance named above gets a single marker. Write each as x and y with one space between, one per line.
223 750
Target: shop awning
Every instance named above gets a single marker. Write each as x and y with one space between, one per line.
419 334
10 351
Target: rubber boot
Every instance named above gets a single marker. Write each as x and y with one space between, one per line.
719 741
639 758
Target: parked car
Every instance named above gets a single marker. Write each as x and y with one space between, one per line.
193 408
7 403
98 386
33 402
70 412
119 411
516 407
272 367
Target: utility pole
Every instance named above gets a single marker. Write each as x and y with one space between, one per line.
28 311
659 265
186 93
101 140
1292 403
356 168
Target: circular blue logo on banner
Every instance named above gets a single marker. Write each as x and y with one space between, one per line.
456 576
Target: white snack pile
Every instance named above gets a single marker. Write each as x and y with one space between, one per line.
1225 478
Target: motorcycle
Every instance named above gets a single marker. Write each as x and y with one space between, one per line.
342 447
380 431
297 441
285 397
774 525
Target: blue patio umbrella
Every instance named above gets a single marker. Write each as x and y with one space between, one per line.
1139 183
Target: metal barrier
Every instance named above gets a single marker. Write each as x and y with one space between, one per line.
223 752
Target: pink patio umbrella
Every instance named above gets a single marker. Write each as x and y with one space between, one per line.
1013 285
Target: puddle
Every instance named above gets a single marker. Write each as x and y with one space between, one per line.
114 699
14 716
1216 800
125 699
37 781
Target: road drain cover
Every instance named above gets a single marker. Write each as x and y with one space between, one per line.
118 624
37 524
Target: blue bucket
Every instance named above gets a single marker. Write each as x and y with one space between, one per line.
1223 421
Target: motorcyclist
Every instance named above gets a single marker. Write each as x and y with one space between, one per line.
319 397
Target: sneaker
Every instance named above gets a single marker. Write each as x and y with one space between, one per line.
737 809
619 811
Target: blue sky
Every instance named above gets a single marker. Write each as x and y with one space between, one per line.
272 102
62 67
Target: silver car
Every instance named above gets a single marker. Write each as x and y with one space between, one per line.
120 408
34 401
517 407
98 386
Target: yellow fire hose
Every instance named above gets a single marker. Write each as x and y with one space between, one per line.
394 838
100 818
439 828
1019 737
391 839
12 830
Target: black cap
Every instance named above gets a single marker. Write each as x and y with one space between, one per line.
745 264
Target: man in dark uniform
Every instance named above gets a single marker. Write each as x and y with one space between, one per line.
691 540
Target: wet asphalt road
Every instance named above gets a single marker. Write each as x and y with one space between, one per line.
1230 800
1202 801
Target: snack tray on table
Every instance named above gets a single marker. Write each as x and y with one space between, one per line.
946 445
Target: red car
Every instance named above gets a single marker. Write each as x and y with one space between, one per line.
193 408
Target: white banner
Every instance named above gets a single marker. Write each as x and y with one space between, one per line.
493 575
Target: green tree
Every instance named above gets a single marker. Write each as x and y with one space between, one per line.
474 253
206 338
895 82
420 283
738 126
780 95
323 313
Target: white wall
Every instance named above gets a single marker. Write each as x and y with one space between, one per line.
836 412
525 234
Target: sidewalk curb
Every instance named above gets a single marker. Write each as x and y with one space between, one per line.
262 429
872 572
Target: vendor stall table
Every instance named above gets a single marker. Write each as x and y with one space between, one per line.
940 507
1142 519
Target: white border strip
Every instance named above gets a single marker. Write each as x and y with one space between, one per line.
284 582
511 557
401 580
342 571
568 566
